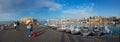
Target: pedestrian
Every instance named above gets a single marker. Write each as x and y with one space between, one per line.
1 28
15 26
18 25
29 27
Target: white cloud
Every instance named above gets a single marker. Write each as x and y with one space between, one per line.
7 17
27 5
10 8
50 4
75 11
81 10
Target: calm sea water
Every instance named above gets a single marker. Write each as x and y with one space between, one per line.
114 29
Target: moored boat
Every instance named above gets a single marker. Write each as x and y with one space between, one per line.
96 31
85 31
62 28
75 30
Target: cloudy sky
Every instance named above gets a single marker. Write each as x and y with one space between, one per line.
48 9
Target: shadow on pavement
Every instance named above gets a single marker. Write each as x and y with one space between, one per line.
62 37
42 31
8 28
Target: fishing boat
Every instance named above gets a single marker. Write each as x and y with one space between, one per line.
85 31
106 30
62 28
68 29
96 31
75 30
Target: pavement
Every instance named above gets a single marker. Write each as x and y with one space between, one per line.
47 34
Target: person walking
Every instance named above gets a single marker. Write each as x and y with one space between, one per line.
1 27
15 26
29 28
18 24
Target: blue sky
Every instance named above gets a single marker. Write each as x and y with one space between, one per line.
56 9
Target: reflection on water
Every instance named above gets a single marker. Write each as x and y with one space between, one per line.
114 29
